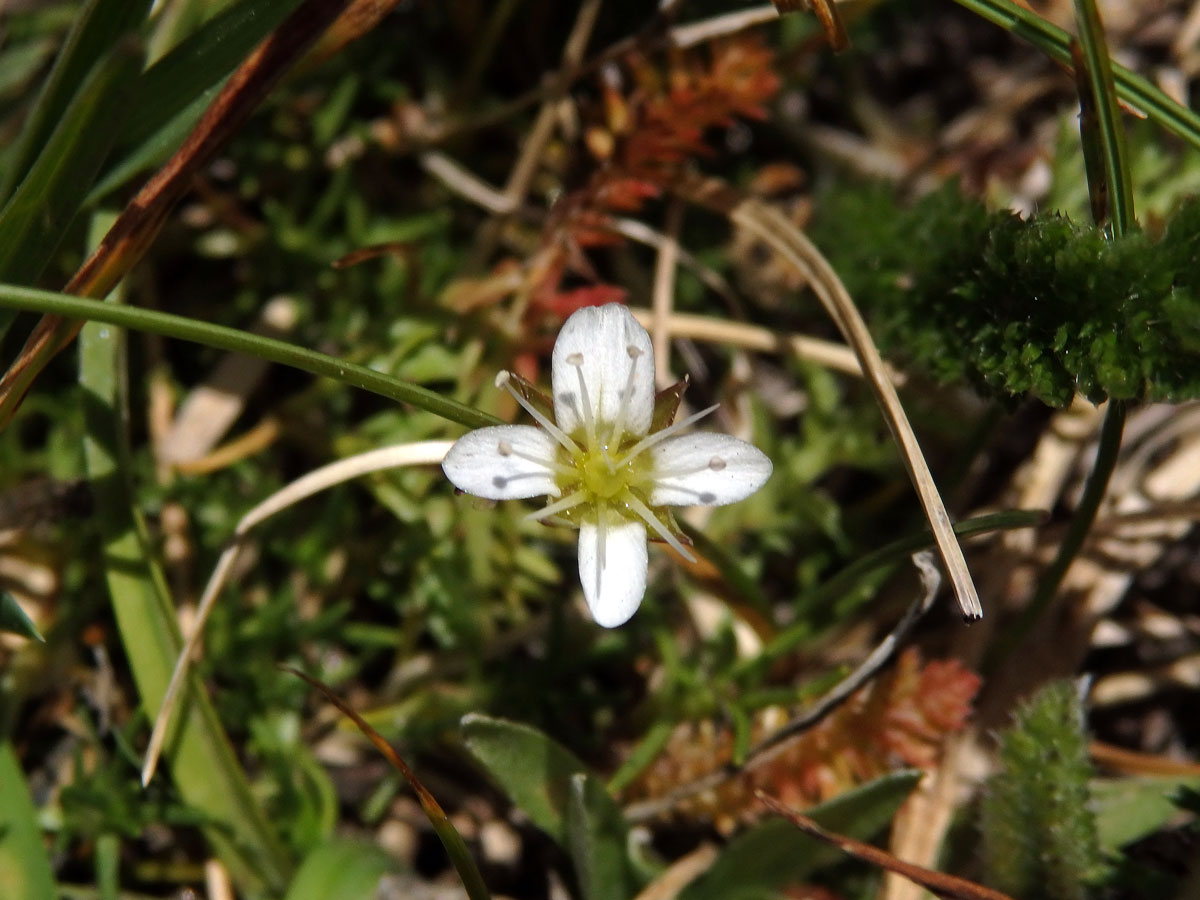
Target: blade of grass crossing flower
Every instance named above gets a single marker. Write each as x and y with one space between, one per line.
1110 132
35 218
173 92
100 24
460 856
24 865
1056 44
153 322
205 768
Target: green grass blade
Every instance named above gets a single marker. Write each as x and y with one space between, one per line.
99 26
24 865
153 322
13 618
1056 44
36 217
1109 131
203 763
173 92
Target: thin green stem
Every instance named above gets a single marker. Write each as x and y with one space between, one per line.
1077 532
183 328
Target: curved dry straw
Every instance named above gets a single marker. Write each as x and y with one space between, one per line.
399 456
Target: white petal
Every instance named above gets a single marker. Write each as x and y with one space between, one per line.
606 345
502 463
613 585
706 470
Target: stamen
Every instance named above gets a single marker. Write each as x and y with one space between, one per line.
601 543
584 406
619 425
651 439
504 448
553 509
716 464
545 463
502 381
652 520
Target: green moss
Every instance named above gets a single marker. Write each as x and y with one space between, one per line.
1014 306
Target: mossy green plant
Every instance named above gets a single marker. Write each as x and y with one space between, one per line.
1039 831
1042 306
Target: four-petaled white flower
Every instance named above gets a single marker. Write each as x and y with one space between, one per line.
608 455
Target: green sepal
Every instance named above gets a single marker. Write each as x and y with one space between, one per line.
666 404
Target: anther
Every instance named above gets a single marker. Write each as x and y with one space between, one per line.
504 448
575 359
716 463
500 481
634 351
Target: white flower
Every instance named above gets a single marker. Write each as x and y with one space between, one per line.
596 455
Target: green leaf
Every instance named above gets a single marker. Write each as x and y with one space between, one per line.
13 618
173 93
202 761
24 865
534 771
775 853
97 30
597 838
341 869
1128 809
35 219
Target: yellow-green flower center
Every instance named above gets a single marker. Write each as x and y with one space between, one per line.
599 480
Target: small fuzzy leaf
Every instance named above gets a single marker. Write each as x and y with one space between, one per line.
1039 833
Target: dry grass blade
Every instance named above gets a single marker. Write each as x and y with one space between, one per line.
463 862
949 887
826 11
419 453
139 223
775 230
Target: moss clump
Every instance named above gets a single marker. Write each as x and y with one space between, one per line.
1040 306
